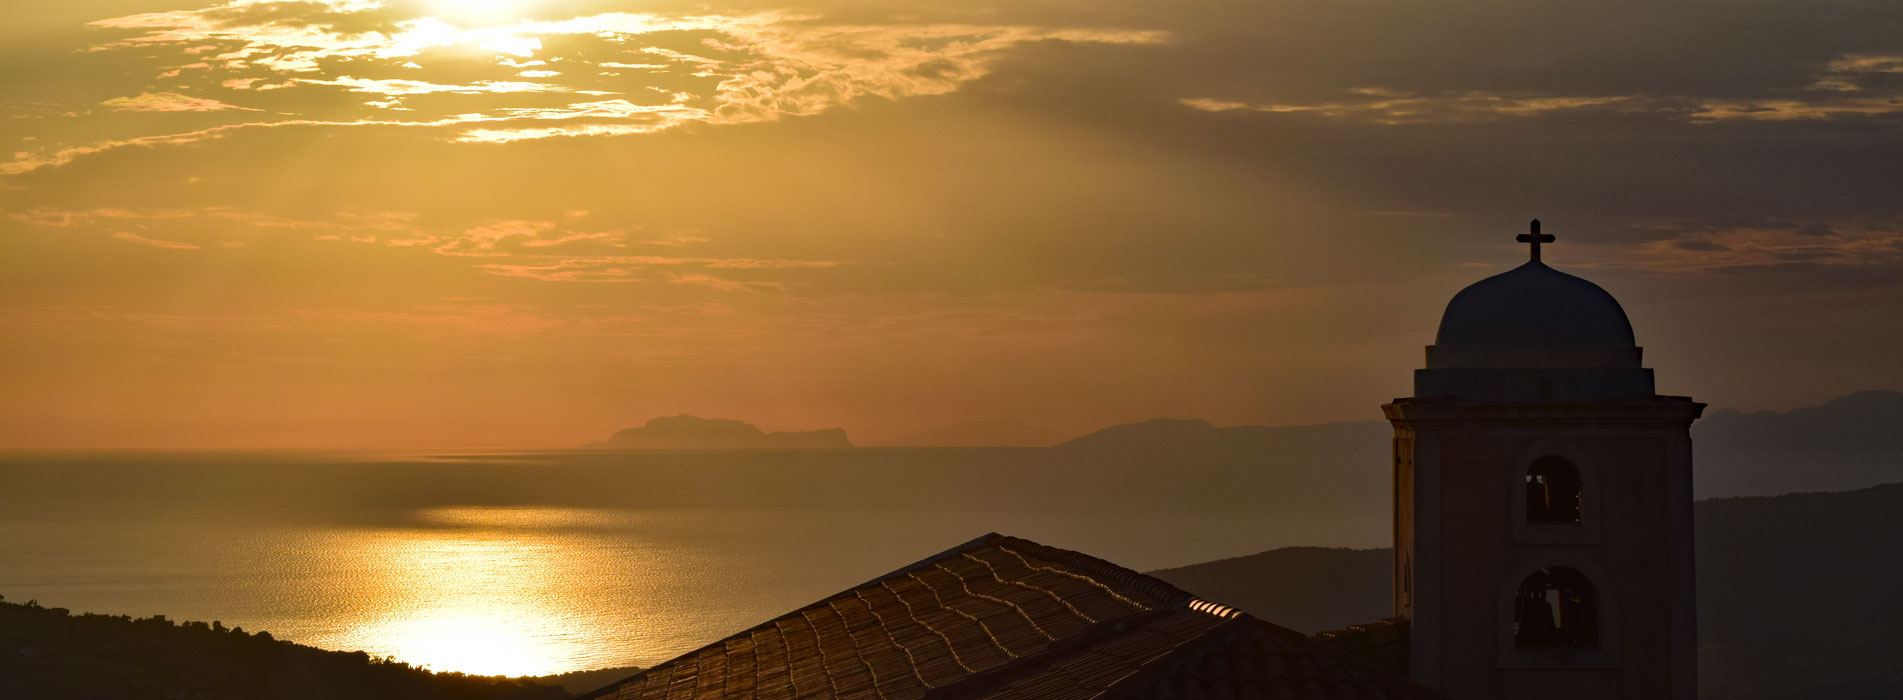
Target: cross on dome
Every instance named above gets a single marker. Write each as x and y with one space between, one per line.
1535 238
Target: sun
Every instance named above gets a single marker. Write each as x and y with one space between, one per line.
479 12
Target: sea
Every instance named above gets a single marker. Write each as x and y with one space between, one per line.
538 563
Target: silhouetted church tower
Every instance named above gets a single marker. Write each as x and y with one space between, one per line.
1543 501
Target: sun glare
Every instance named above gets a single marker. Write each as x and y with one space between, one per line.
479 12
483 645
477 590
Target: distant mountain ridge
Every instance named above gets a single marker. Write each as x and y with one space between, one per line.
1846 443
685 432
1851 442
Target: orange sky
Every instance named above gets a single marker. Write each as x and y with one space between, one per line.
337 223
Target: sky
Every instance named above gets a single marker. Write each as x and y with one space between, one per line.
516 223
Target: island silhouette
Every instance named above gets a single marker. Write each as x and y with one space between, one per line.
685 432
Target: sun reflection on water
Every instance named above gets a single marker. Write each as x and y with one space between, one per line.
482 645
476 590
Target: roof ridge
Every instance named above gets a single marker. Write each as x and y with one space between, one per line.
974 543
1149 585
773 621
1386 623
1169 595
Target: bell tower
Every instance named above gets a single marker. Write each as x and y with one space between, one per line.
1543 501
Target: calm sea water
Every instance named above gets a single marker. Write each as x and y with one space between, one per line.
531 564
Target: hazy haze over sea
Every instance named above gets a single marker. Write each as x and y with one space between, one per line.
537 563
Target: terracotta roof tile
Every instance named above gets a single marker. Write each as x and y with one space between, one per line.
1001 618
1382 642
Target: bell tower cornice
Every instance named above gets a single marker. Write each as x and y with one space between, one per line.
1648 412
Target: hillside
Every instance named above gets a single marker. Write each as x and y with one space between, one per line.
1305 588
1796 593
50 653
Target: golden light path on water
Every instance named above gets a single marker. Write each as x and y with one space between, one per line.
346 556
479 590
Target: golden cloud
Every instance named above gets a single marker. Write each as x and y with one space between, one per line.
1382 106
169 102
154 242
714 69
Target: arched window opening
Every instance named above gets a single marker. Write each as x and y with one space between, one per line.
1553 495
1555 608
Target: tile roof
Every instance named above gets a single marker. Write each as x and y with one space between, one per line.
1382 642
1007 619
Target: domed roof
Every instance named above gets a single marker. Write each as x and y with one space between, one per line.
1534 306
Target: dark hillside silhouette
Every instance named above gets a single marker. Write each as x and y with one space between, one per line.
1795 597
50 653
1308 460
1305 588
578 682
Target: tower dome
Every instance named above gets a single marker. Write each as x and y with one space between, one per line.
1533 333
1534 306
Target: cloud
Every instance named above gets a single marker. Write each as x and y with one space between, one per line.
484 240
399 86
1850 72
47 216
1682 247
24 162
613 117
568 271
1384 106
169 102
1795 110
724 284
640 268
741 69
1862 63
156 243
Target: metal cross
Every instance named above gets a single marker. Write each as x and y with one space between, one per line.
1535 238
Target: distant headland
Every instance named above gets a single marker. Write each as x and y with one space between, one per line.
685 432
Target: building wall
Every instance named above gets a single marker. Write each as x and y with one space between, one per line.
1466 549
